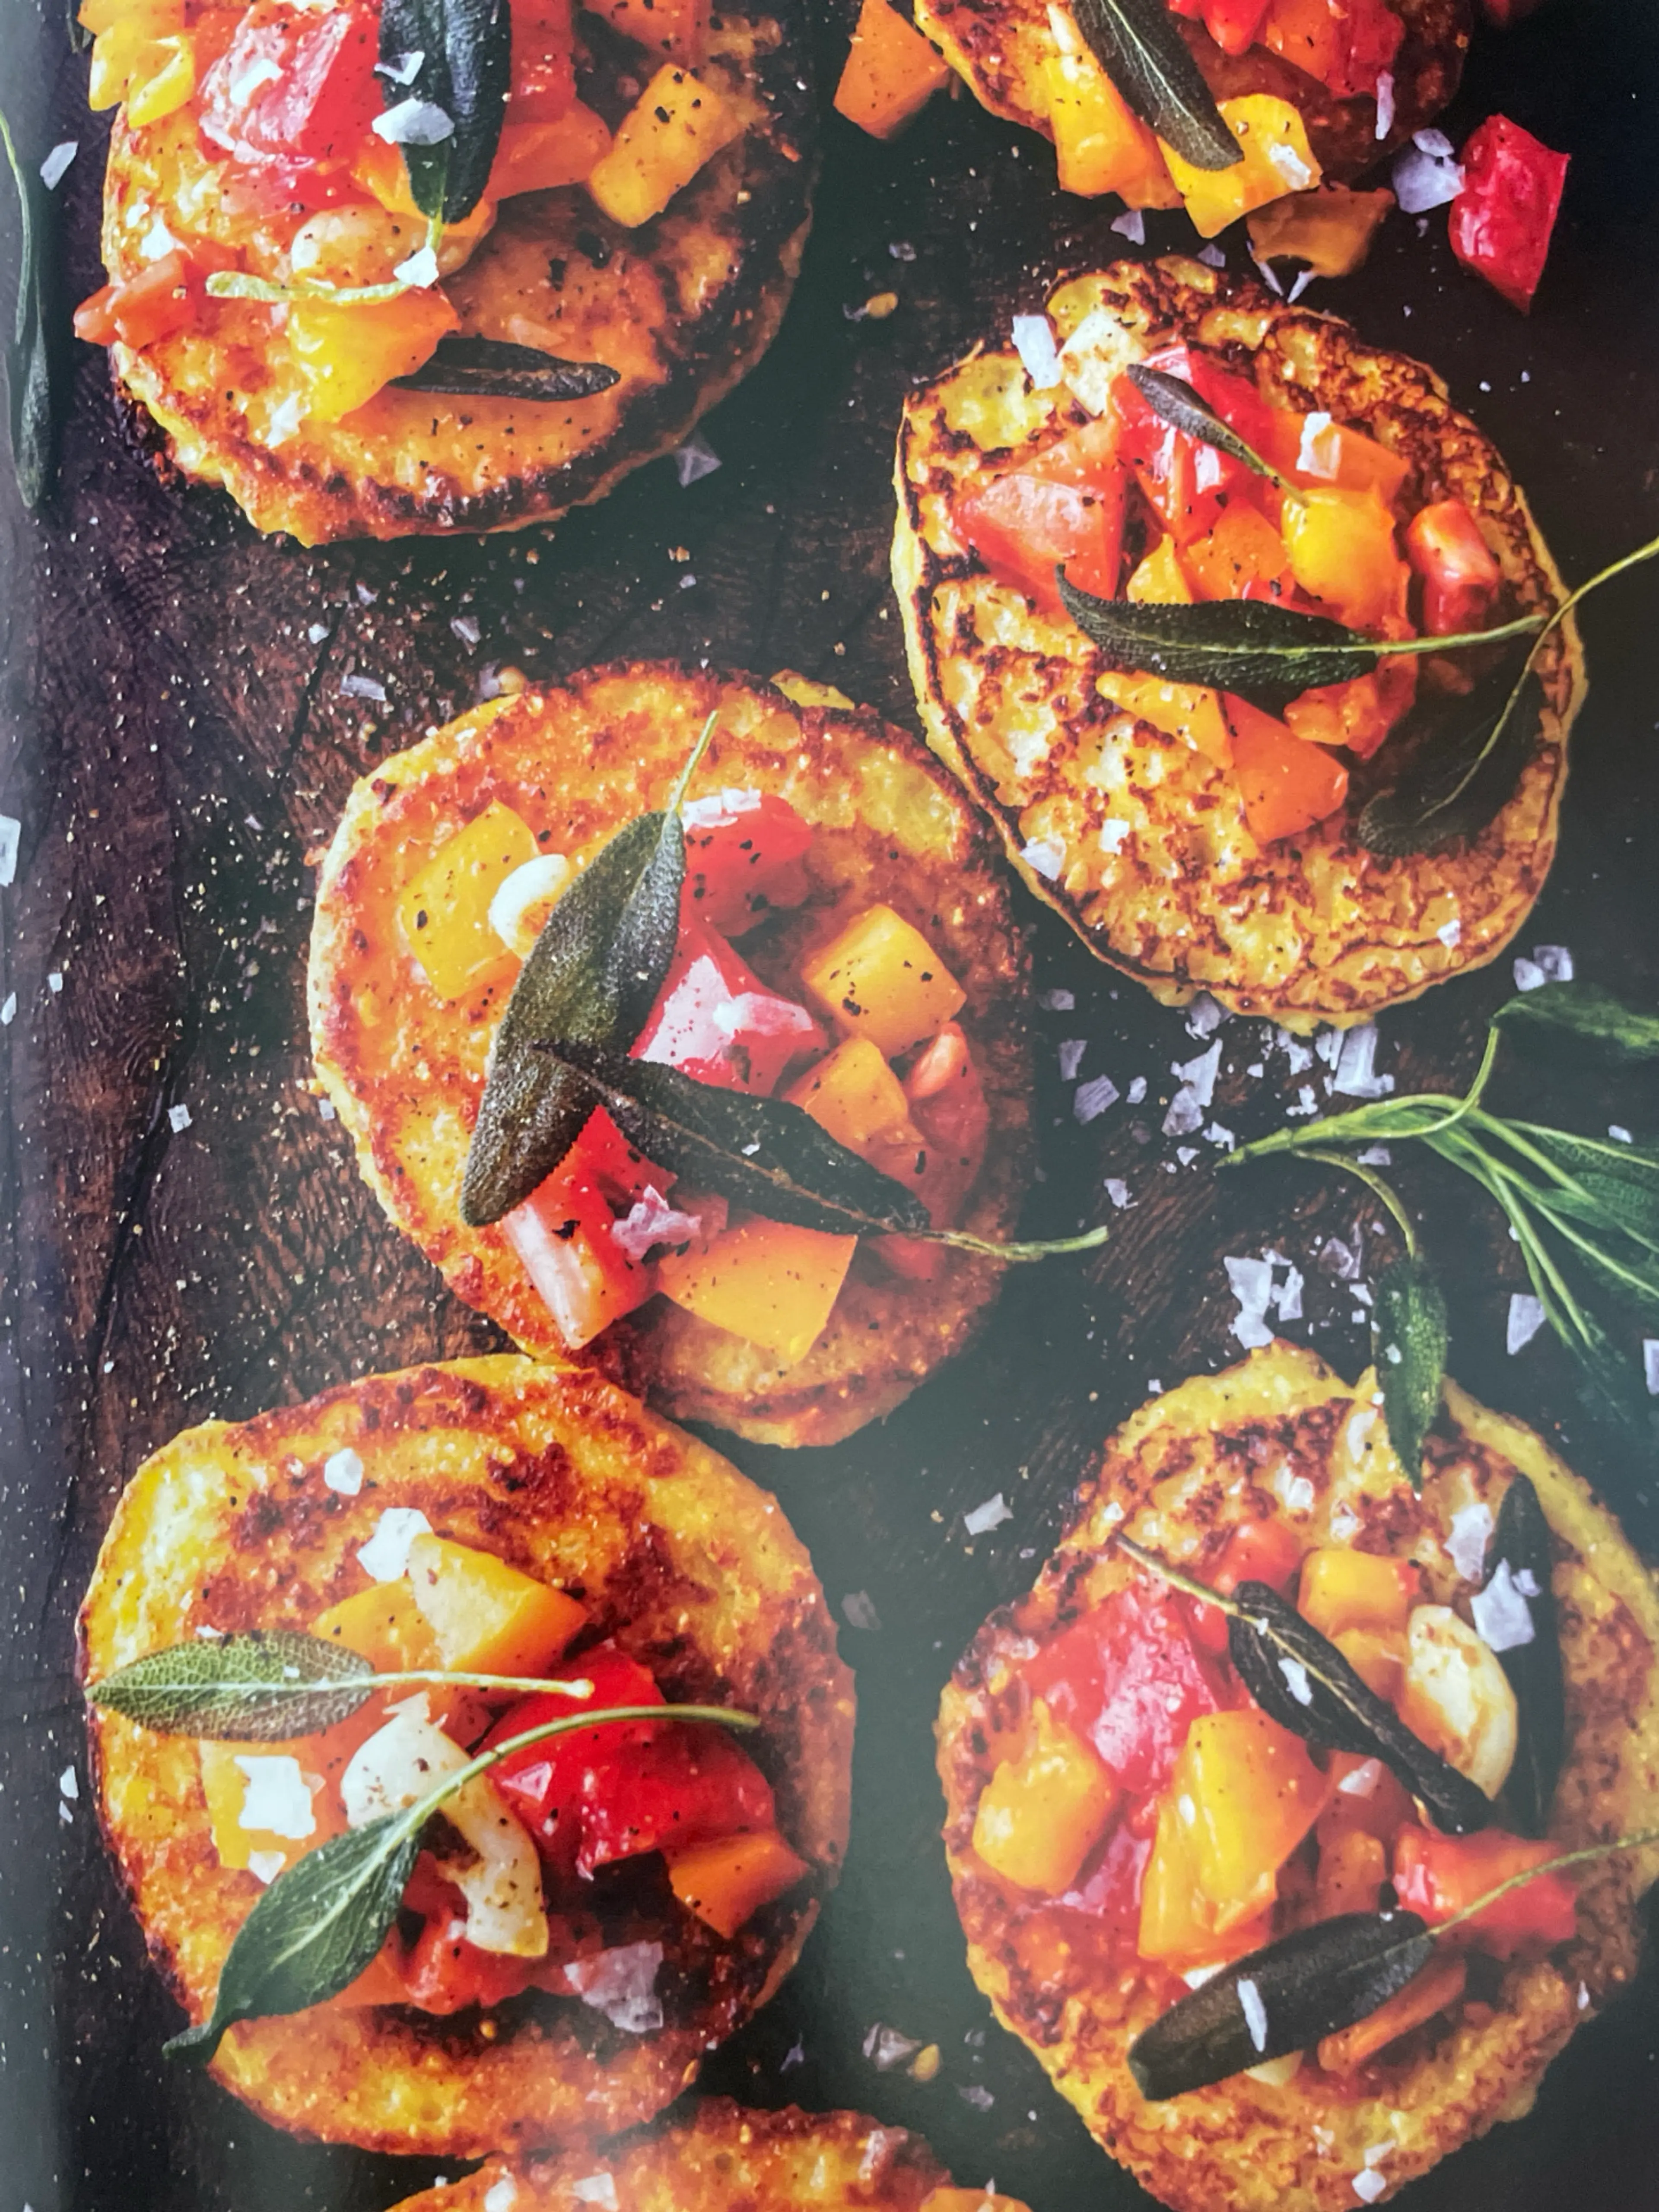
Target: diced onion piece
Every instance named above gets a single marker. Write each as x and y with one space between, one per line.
1458 1698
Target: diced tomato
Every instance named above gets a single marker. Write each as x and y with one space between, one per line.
949 1113
1110 1889
543 1783
1437 1875
1501 220
1063 509
296 86
1129 1679
690 1786
1182 478
1369 35
444 1973
544 62
742 857
563 1231
717 1022
1233 24
1257 1552
166 296
1460 571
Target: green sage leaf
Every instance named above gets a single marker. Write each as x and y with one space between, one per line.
1408 1343
489 368
257 1688
1302 1680
1174 401
313 1931
1538 1020
466 71
1456 789
30 399
592 978
1284 1998
1522 1562
1136 43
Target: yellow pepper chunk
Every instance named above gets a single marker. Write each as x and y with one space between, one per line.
488 1617
766 1280
346 355
1342 551
443 910
125 47
1343 1589
163 81
879 978
1043 1813
1159 581
383 1626
677 124
1190 712
1175 1920
1277 159
726 1882
1254 1793
1101 145
892 72
854 1096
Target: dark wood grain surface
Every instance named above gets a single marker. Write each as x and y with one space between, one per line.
175 740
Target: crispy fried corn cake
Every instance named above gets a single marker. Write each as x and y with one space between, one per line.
725 2157
1002 49
693 1571
1279 1439
681 308
1159 874
576 762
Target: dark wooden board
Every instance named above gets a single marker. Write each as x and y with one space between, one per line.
174 738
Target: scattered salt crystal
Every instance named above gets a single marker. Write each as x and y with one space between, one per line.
1071 1057
1450 932
1255 1071
367 594
1215 1134
1291 169
363 686
1650 1360
1471 1533
1252 1282
1620 1136
11 833
1362 1781
1376 1156
265 1866
695 460
1296 1680
403 69
1294 1493
1424 179
875 2153
1356 1077
1300 286
1341 1261
68 1784
1185 1113
1556 962
1046 856
1186 1154
1265 269
1305 1102
1369 2184
886 2048
502 2195
1112 835
860 1611
1199 1074
1529 976
420 270
465 628
992 1515
1090 1099
795 2056
325 1108
652 1220
902 250
1154 1390
1132 225
413 122
1327 1047
1526 1319
1118 1191
1255 2012
1137 1091
1384 103
1501 1612
1287 1299
385 1555
178 1117
1361 1295
55 982
276 1801
52 169
343 1471
1204 1016
1583 1998
1056 1002
978 2096
1300 1055
315 633
1034 342
1432 141
265 71
1212 256
621 1984
596 2188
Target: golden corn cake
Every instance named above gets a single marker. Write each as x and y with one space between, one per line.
1154 819
1027 61
791 1337
644 213
722 2157
1277 1471
532 1491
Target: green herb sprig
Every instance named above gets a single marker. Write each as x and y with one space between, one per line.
466 71
1176 402
1584 1211
31 401
1136 43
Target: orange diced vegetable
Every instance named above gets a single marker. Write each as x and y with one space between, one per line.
1320 451
677 124
540 157
1248 1793
1438 1875
346 355
1352 1868
489 1619
383 1626
1363 1795
1439 1985
892 72
1159 580
1285 786
1330 229
380 1983
727 1882
1043 1813
766 1280
1359 713
1378 1655
233 1780
163 298
443 910
1341 548
1188 711
1277 159
1305 33
969 2200
1343 1588
879 978
676 28
855 1096
1100 143
1243 557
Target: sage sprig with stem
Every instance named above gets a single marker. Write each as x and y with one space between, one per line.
1584 1211
1311 1984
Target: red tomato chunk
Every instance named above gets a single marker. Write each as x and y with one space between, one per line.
1064 509
743 856
1460 572
1501 220
1437 1875
295 86
718 1022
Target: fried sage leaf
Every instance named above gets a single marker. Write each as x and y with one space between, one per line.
1520 1567
1456 789
1285 1997
30 399
591 978
756 1152
258 1688
465 50
1409 1342
1174 401
1539 1021
1137 46
490 369
1302 1681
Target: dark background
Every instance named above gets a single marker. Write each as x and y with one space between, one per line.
176 743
